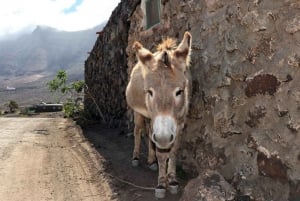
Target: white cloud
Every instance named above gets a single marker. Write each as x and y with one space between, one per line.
17 15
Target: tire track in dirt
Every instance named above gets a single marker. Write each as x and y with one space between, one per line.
48 159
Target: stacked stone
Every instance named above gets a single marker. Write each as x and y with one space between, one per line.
106 68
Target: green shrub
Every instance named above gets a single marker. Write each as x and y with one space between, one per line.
72 92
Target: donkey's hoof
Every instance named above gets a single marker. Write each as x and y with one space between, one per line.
160 192
135 162
173 189
153 166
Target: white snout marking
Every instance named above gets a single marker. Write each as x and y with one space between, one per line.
164 131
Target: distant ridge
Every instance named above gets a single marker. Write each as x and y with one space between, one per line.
46 50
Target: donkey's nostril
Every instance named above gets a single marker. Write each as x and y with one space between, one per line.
154 138
171 138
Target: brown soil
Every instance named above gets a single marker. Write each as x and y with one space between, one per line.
116 147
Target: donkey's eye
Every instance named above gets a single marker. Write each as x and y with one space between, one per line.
179 92
150 92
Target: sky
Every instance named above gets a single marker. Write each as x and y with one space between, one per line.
67 15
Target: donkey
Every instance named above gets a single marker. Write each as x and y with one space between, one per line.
158 90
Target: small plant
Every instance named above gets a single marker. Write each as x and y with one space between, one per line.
12 105
70 91
72 94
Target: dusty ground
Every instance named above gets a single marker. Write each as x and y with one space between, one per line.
43 159
116 147
49 159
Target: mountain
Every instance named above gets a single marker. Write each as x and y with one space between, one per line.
43 52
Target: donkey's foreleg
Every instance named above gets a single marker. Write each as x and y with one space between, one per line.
151 149
139 124
172 165
160 191
172 180
151 155
171 173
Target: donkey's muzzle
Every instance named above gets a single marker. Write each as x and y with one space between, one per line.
164 131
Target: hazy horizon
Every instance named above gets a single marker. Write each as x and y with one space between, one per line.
68 15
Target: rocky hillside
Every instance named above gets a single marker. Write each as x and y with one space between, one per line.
28 62
46 50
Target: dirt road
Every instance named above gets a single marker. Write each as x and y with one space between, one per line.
45 159
51 159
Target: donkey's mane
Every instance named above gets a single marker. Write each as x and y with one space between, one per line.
167 44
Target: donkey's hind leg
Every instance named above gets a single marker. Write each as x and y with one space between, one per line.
139 125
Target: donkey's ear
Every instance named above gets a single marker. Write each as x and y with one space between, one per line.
143 54
184 50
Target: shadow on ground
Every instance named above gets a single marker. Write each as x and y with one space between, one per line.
116 146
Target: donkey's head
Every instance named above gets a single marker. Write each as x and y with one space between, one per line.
166 87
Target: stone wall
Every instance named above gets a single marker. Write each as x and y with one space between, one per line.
106 68
244 121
